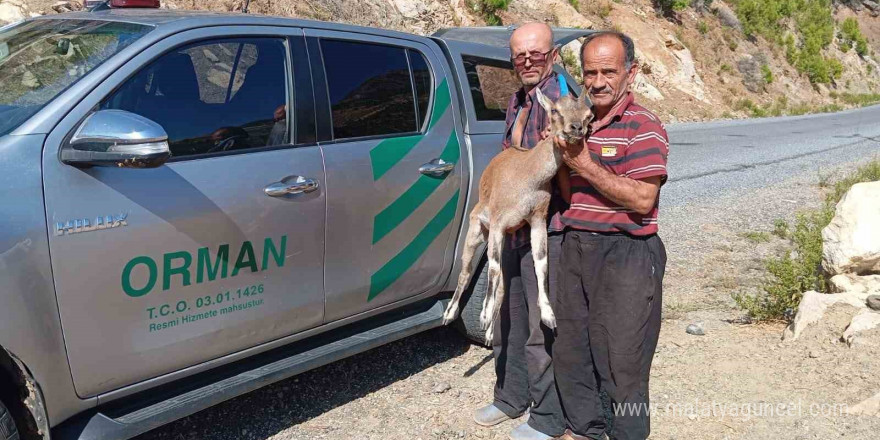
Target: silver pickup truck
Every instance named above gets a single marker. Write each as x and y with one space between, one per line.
196 205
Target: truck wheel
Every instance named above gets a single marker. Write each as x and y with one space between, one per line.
8 431
472 304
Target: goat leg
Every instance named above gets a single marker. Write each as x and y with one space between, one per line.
476 235
538 237
496 281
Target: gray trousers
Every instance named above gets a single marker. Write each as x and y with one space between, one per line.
522 345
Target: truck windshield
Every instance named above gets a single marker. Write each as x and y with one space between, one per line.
39 59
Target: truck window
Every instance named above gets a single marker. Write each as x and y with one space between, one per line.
422 81
214 96
40 59
371 91
492 82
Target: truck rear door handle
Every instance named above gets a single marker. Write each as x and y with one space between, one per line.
291 185
436 168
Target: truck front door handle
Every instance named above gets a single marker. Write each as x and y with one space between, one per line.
291 185
436 168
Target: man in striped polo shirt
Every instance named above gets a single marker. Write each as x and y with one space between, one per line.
523 368
612 263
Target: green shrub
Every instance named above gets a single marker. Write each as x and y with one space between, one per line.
851 35
813 25
767 74
780 228
570 62
765 17
799 109
673 5
860 99
489 9
744 104
792 274
756 237
703 28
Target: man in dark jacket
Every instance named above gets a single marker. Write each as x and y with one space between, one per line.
523 368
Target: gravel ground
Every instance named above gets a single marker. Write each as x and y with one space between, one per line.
426 386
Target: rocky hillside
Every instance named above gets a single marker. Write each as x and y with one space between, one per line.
701 59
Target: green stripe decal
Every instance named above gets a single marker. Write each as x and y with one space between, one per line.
412 198
394 269
390 151
387 153
441 102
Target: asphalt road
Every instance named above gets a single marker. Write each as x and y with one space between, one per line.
718 159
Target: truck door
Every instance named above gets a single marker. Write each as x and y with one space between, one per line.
393 155
161 269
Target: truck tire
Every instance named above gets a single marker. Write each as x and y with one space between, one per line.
8 431
472 305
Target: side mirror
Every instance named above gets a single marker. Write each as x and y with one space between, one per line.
117 138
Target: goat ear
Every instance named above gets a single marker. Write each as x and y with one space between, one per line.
585 98
544 100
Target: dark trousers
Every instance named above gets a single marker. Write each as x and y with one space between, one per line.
608 318
522 345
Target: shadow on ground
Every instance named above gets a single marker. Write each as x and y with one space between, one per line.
267 411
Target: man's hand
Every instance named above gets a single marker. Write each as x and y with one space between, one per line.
576 156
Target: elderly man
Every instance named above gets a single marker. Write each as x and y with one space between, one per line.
524 374
612 264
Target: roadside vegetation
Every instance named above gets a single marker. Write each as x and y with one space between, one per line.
804 29
781 106
798 271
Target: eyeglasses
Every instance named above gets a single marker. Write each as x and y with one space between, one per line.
538 59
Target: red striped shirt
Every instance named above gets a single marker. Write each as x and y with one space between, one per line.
633 143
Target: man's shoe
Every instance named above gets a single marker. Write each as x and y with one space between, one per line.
490 415
526 432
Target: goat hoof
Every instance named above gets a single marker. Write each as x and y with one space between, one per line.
549 319
489 336
451 314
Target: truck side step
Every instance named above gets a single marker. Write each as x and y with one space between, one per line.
103 424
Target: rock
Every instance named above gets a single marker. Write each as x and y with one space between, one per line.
727 16
868 407
687 79
750 68
851 242
695 329
864 320
814 354
873 302
66 6
861 285
442 387
645 89
13 10
555 12
855 5
673 43
812 308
